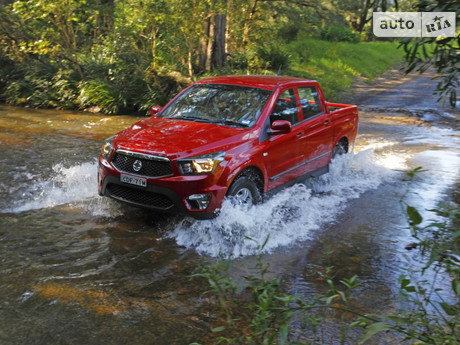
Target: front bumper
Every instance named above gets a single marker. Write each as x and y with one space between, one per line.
168 194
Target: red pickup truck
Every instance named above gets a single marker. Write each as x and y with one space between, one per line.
229 136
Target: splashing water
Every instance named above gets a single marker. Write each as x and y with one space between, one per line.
291 215
67 184
288 217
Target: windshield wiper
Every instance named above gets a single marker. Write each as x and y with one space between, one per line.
231 123
217 122
191 118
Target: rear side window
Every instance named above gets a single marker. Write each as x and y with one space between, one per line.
309 101
286 108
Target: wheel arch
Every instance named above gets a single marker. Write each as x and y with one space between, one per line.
249 171
344 141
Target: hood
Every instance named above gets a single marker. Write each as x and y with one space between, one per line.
175 138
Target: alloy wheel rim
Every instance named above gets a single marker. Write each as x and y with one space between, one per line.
244 196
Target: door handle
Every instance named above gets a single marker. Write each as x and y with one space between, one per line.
327 122
299 134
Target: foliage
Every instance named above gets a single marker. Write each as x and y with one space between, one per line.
262 313
262 318
117 55
338 34
358 14
440 54
274 56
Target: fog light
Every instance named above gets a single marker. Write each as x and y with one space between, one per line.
199 201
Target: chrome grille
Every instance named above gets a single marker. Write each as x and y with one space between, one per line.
151 167
139 196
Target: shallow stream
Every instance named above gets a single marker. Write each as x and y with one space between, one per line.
76 268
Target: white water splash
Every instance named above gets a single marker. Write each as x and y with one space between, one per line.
75 185
291 215
66 185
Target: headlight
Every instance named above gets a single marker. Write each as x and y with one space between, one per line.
202 164
107 147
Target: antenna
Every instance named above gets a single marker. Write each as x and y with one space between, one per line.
279 70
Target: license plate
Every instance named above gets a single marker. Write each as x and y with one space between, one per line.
138 181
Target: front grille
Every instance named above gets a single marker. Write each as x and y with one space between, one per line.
139 196
150 167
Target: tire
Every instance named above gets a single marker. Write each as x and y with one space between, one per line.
245 191
340 149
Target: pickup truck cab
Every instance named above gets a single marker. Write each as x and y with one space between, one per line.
227 136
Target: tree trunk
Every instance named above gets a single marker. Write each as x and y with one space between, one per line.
218 52
206 46
189 62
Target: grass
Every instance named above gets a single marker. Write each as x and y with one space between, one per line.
335 64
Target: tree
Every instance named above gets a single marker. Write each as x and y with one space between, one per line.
442 54
359 13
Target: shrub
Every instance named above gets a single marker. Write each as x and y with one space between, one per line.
274 57
338 34
66 89
101 94
288 32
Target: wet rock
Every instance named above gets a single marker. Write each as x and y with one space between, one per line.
411 246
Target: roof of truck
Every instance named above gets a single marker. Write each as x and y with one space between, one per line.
268 82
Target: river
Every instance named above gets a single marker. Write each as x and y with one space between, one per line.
76 268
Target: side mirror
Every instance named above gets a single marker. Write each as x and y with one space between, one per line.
155 110
280 127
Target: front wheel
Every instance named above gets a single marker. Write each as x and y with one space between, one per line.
245 191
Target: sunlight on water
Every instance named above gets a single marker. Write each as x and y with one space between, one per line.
441 170
291 215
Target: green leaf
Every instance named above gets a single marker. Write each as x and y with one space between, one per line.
456 287
359 323
218 329
330 299
414 216
342 296
449 309
283 334
397 319
374 329
405 284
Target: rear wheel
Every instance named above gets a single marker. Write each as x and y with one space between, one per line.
340 149
245 191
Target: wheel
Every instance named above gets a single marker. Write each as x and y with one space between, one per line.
245 191
340 149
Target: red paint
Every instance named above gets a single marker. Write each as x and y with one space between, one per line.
279 157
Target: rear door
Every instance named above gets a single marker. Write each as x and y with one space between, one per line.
317 130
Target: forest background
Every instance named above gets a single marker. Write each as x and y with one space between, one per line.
125 56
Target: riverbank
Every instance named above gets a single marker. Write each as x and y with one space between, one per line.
393 93
118 90
337 66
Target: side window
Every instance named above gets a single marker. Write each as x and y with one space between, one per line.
286 108
309 101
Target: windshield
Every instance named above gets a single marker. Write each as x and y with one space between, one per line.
228 105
